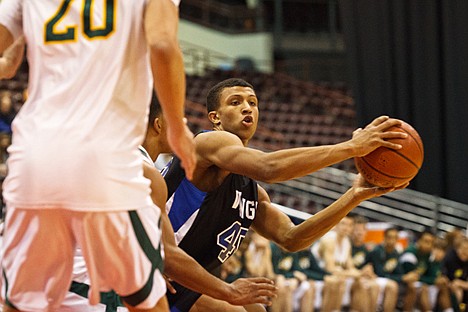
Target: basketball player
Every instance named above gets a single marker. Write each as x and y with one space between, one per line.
90 82
212 213
178 265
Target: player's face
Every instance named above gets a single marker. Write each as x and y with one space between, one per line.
425 243
390 240
359 232
462 251
238 112
345 226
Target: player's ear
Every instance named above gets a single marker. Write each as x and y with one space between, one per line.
214 118
157 125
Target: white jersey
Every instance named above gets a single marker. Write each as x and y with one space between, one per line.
75 141
342 251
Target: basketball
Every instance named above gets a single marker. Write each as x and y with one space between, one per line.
385 167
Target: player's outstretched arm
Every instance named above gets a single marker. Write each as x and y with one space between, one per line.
161 27
226 151
273 224
182 268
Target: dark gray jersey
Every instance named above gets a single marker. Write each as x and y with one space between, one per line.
209 226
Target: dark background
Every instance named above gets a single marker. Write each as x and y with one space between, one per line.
408 59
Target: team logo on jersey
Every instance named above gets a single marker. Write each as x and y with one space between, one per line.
390 265
359 258
246 207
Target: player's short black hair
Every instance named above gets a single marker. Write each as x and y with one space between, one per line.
214 95
155 110
426 231
358 219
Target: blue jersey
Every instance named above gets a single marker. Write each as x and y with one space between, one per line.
208 226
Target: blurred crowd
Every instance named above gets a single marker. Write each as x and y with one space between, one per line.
345 272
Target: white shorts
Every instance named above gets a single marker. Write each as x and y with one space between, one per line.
77 303
433 291
382 282
121 249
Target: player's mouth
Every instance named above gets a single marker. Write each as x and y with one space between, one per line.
247 121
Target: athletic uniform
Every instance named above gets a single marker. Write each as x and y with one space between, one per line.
411 259
76 299
454 268
310 267
386 264
208 226
359 254
341 254
90 86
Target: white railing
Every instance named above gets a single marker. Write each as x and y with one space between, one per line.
407 209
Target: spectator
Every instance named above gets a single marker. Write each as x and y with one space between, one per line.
298 290
440 280
417 258
376 289
384 260
234 267
453 237
333 252
326 286
258 261
455 267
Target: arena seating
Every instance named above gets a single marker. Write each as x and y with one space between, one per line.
293 113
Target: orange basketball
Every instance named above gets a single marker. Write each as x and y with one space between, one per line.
386 167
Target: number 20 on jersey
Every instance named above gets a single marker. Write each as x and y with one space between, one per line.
55 31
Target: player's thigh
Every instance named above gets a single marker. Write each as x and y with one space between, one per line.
37 262
122 252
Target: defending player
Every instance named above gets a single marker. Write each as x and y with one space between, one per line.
91 76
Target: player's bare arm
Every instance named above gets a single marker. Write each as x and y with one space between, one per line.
273 224
226 151
12 53
169 76
185 270
6 38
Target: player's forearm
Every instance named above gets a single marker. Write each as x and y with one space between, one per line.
169 80
289 164
167 64
304 234
186 271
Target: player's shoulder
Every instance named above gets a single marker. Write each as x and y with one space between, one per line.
217 138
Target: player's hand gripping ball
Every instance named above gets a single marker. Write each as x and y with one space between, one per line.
386 167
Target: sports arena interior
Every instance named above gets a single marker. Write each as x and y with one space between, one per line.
322 68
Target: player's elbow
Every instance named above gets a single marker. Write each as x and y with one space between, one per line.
290 244
164 47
